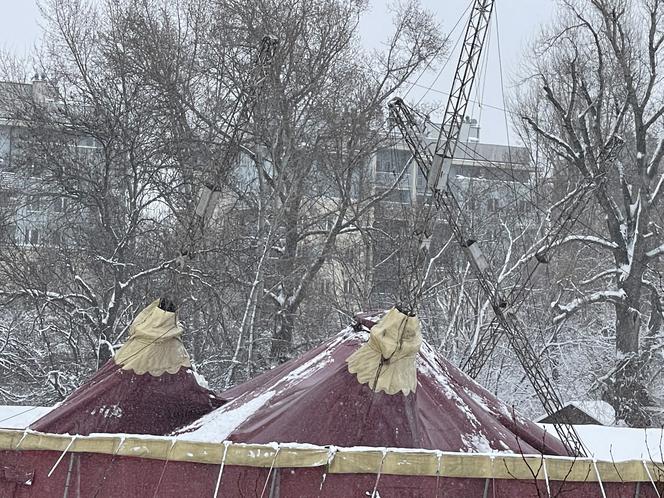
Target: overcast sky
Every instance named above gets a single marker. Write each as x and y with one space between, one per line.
518 23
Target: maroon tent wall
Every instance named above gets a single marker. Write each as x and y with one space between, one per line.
97 475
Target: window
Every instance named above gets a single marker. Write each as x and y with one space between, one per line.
471 204
35 170
7 233
401 196
391 160
5 199
33 203
31 236
88 142
59 205
326 286
56 238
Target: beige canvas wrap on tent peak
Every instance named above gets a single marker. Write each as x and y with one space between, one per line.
154 345
395 339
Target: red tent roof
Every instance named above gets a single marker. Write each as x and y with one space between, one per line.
148 388
314 399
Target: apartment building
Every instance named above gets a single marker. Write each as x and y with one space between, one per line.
492 183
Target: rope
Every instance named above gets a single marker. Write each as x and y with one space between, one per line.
163 467
20 413
267 479
221 469
383 360
599 479
61 456
374 493
645 465
440 71
546 477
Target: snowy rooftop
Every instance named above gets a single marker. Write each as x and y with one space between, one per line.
620 443
599 410
20 417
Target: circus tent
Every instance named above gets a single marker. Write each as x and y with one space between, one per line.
316 399
372 412
148 387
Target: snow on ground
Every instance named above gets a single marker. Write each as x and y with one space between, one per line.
20 417
620 443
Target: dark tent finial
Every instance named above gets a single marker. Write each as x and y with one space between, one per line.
167 304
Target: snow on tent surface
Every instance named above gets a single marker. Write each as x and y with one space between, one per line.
314 399
446 411
147 388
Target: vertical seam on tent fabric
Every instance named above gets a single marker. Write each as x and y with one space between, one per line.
62 455
274 487
645 465
439 467
78 476
110 464
221 468
485 494
493 476
67 480
491 480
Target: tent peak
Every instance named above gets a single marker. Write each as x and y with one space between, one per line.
154 345
387 361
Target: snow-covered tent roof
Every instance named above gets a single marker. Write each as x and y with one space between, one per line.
315 399
149 386
365 442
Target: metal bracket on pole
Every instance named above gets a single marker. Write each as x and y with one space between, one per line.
207 202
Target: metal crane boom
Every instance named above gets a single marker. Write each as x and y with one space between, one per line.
471 50
444 200
436 168
236 128
210 192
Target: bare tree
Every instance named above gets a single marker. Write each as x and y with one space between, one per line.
317 122
92 166
595 107
132 117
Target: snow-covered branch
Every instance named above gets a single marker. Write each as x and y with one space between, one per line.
607 296
656 252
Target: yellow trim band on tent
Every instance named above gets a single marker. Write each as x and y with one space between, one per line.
395 461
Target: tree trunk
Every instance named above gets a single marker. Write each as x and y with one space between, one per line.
626 389
282 339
